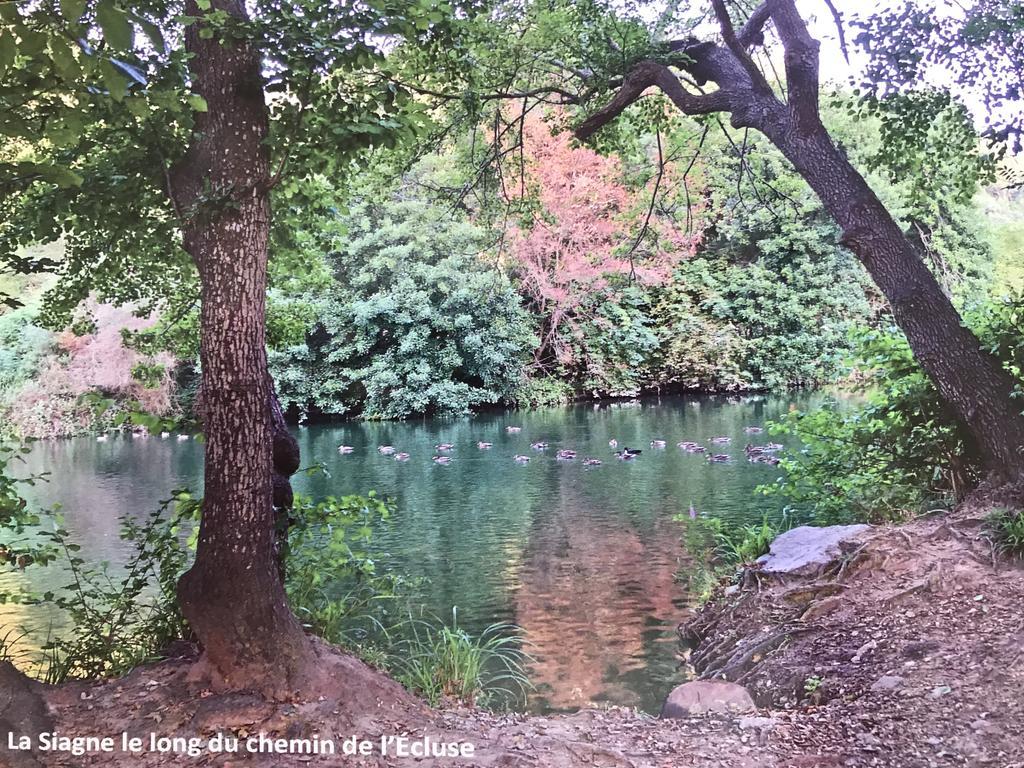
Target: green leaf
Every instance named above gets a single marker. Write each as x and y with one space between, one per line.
72 10
153 32
198 103
116 84
117 30
64 61
62 177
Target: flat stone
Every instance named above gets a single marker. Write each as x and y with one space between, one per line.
807 550
887 683
752 722
702 696
822 607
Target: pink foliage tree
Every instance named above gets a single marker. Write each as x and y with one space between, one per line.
51 405
590 233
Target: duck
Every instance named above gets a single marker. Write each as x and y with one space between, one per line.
401 456
444 447
753 430
164 435
628 453
591 462
101 438
720 439
657 443
345 449
484 446
539 445
182 437
613 443
719 458
565 454
753 450
442 460
763 458
513 429
687 445
385 450
773 446
520 459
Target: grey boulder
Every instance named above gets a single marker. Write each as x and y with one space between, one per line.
702 696
807 551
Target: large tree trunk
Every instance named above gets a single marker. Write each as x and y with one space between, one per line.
968 379
232 596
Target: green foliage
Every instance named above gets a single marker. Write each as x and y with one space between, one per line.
1006 528
445 662
542 391
20 544
118 620
414 321
23 348
891 457
333 583
614 345
719 549
734 546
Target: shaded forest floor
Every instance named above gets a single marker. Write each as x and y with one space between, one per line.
906 651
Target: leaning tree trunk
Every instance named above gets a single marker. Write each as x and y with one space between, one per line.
971 381
232 596
968 379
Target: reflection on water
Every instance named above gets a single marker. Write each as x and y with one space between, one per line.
584 559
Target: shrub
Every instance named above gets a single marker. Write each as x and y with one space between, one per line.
43 396
118 620
890 457
415 322
1006 529
445 662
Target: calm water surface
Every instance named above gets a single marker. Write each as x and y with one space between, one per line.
585 559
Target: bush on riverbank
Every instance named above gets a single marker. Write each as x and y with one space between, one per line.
46 376
902 451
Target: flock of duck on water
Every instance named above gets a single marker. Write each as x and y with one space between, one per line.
757 454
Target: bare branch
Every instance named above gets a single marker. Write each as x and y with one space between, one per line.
838 18
737 48
645 75
752 33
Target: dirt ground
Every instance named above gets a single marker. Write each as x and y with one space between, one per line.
908 651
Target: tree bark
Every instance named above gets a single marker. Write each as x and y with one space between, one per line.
232 596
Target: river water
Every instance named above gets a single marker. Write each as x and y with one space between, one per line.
588 561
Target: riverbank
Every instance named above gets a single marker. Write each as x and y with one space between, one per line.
903 651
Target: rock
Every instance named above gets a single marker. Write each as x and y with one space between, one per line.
701 696
807 551
887 683
822 608
751 722
22 713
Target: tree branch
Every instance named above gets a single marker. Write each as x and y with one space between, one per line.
801 58
752 32
737 48
645 75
